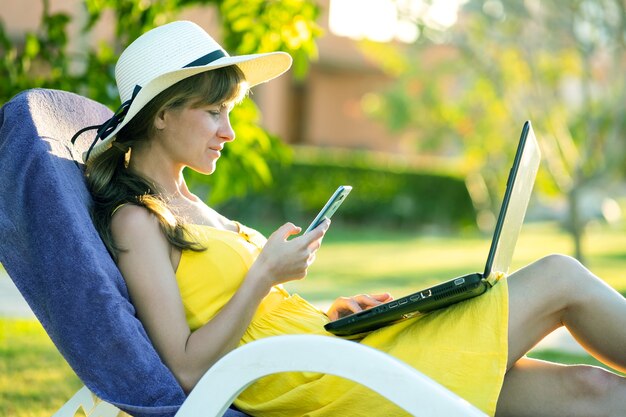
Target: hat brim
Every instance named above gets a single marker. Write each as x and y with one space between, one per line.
257 69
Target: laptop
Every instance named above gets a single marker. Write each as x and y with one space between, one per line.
516 197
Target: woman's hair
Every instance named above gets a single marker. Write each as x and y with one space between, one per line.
110 182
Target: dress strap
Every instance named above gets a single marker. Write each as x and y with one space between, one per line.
117 208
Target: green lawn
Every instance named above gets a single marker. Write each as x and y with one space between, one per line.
355 261
35 380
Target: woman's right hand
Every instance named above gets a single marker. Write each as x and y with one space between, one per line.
283 260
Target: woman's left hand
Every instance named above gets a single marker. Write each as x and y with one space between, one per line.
344 306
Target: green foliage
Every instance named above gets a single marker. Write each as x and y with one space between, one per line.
454 113
41 59
266 26
383 195
559 65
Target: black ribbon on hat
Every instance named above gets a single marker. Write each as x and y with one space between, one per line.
207 59
110 125
104 129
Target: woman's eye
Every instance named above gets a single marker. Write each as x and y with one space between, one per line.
214 112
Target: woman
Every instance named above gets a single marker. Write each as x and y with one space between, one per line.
203 284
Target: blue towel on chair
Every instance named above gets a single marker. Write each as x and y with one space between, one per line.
53 253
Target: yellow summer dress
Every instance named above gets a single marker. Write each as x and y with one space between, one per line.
463 347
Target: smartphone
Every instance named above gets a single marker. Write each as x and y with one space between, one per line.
331 206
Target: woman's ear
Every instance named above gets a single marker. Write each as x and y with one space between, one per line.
159 120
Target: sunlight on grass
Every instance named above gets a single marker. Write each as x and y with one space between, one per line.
34 379
568 358
350 263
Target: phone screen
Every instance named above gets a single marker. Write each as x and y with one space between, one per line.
331 206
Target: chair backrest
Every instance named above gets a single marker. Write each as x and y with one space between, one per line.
52 252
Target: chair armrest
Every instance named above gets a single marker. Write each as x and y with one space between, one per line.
393 379
85 401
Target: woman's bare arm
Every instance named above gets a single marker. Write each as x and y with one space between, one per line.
150 277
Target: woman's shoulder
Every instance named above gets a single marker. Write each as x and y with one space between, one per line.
134 220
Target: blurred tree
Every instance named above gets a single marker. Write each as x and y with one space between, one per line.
468 89
41 59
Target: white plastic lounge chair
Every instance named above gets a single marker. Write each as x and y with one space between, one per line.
398 382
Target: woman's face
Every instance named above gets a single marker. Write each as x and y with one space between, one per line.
195 136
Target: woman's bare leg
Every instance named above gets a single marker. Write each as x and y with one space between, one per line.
536 388
557 290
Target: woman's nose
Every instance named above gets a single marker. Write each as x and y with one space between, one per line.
226 131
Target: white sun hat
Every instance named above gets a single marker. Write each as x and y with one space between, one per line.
166 55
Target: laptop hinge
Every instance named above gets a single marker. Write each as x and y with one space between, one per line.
494 277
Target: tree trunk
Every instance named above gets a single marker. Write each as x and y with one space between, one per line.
576 225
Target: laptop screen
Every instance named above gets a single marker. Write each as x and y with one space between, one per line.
515 202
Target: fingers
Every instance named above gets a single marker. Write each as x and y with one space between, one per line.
288 229
289 259
358 302
342 307
367 301
353 305
313 239
319 231
349 305
311 259
383 298
324 225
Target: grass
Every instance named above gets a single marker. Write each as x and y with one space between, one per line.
353 261
35 380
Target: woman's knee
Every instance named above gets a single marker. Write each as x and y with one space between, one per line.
564 274
556 283
559 264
